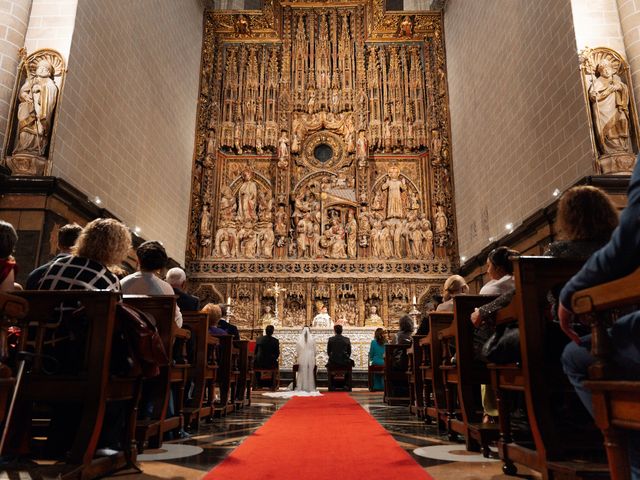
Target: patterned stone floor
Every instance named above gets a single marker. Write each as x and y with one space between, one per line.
191 458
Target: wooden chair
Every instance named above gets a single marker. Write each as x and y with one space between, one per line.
462 378
538 377
396 380
82 378
416 390
203 371
339 376
616 403
433 386
150 431
371 371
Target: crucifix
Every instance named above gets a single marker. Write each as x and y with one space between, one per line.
276 293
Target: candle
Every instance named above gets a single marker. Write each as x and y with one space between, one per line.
228 300
414 299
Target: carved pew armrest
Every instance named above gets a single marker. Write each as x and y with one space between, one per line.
617 293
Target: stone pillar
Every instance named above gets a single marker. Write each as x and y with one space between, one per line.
15 19
629 11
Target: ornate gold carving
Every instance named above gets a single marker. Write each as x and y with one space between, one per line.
323 160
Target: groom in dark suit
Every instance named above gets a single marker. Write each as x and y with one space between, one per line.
339 352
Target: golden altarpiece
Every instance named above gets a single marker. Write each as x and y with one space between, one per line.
322 162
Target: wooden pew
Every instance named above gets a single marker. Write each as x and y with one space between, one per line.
616 403
227 375
245 372
150 431
83 377
340 376
416 390
261 375
462 378
203 371
396 380
538 377
432 356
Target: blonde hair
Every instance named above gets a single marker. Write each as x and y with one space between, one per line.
105 240
214 312
454 285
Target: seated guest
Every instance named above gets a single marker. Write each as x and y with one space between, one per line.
152 258
423 328
214 313
618 258
178 281
67 236
267 350
339 352
403 337
226 326
376 357
8 240
454 285
102 242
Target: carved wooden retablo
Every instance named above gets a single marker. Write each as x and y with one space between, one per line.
322 162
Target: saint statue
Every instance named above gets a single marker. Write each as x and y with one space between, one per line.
322 319
268 318
283 150
362 149
610 107
395 187
352 235
436 147
441 220
38 97
281 228
374 320
247 197
205 223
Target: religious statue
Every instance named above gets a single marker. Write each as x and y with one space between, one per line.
406 27
265 207
395 187
247 194
352 235
247 240
268 318
227 203
205 223
386 135
322 319
38 97
374 320
281 227
441 220
211 143
295 143
266 239
350 138
259 138
362 149
436 147
311 103
283 150
242 26
376 204
237 137
225 242
609 98
427 238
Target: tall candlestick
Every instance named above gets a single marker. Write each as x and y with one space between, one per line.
414 300
228 300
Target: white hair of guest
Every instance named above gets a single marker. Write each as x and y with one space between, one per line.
176 277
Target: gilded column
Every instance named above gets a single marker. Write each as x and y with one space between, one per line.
15 19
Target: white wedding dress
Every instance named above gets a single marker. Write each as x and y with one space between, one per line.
305 380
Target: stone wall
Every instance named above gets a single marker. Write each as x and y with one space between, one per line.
629 11
519 120
597 24
126 123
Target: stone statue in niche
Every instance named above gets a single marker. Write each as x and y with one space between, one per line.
395 186
283 150
266 239
211 143
352 235
227 204
237 137
265 208
350 138
259 138
362 149
247 240
247 195
610 108
281 228
205 226
374 320
427 237
38 98
225 245
365 226
387 136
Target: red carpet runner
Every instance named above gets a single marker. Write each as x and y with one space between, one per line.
329 437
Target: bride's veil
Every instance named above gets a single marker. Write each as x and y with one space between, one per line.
306 350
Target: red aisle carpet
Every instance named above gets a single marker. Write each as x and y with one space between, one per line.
318 438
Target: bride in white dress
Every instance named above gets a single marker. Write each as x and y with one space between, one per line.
305 380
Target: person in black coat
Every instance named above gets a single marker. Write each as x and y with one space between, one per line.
178 280
267 350
339 352
226 326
